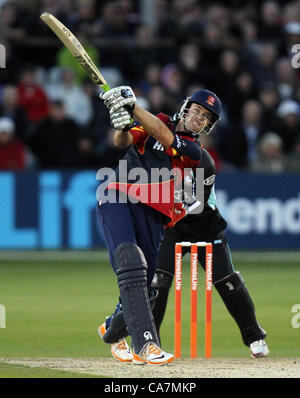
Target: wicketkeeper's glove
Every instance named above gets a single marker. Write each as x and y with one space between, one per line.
119 97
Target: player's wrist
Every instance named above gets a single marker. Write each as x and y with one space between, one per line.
127 128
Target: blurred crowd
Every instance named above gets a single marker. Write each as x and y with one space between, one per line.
50 112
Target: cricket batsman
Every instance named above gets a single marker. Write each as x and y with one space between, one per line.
134 231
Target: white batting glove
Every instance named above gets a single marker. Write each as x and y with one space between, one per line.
118 98
120 119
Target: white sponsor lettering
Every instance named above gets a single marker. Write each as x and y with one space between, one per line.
178 271
158 146
260 215
209 271
194 264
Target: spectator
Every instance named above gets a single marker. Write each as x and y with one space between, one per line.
212 45
12 152
99 123
220 16
294 158
234 39
108 154
288 126
11 25
30 13
270 155
182 20
9 107
269 26
188 20
190 61
235 49
243 138
60 8
114 21
292 36
57 141
249 29
242 91
263 66
131 16
143 54
285 78
158 101
173 81
32 97
85 19
77 103
291 12
161 14
269 98
151 77
11 62
225 77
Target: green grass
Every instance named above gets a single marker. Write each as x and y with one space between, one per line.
19 371
53 309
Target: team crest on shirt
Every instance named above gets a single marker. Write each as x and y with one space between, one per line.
211 100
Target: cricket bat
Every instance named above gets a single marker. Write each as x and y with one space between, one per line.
76 49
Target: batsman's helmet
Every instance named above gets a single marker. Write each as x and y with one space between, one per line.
209 101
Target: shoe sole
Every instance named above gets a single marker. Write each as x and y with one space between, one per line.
120 359
137 361
260 355
170 360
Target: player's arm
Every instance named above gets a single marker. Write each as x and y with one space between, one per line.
154 126
122 105
122 139
173 143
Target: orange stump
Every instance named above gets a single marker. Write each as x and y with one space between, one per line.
178 290
208 300
194 287
194 293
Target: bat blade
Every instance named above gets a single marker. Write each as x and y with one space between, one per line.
76 49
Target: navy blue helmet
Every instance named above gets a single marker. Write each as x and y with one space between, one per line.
209 101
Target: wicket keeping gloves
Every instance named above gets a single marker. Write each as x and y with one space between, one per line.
119 97
121 119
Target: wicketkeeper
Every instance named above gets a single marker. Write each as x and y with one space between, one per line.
209 226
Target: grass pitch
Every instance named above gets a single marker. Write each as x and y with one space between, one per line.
55 304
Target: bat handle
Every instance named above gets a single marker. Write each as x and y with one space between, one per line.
105 87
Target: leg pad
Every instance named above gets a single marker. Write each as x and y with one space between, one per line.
235 295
